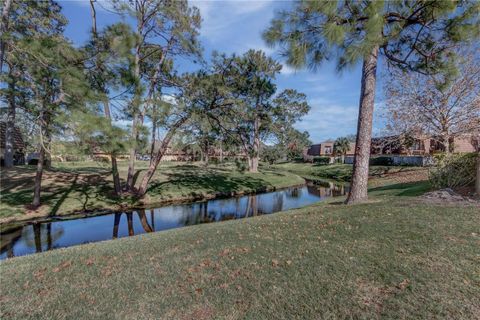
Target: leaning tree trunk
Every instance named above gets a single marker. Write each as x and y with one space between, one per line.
142 189
359 184
10 126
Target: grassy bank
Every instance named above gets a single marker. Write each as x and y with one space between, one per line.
395 257
343 172
88 186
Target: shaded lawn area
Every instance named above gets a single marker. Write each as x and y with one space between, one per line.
394 257
88 186
343 172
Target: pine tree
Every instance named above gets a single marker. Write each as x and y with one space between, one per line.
411 35
256 113
164 28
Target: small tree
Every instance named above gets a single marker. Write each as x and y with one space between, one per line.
341 147
410 35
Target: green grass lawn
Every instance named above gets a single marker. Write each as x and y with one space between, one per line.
88 186
338 172
393 258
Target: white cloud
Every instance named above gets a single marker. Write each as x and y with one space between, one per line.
287 70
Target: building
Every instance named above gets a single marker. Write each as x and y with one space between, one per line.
18 145
421 145
325 149
397 145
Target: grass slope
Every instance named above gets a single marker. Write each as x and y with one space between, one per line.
88 186
339 172
394 257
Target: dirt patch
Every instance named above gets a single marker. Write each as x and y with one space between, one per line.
448 196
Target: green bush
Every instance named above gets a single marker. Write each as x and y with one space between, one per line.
454 170
381 161
241 165
321 160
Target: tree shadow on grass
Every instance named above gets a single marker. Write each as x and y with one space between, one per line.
207 181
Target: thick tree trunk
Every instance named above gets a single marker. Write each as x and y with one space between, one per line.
3 28
10 126
359 184
142 189
38 178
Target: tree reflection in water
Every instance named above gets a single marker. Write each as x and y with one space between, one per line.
143 221
38 237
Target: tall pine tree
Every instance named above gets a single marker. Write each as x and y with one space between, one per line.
416 36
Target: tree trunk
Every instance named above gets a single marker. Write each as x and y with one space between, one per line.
116 224
477 182
10 126
142 189
3 28
133 153
106 108
221 152
115 175
154 129
135 107
253 160
143 220
37 235
38 178
359 184
130 224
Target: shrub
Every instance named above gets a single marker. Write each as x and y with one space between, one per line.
381 161
299 159
321 160
241 165
454 170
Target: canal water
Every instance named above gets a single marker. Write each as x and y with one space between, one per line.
42 236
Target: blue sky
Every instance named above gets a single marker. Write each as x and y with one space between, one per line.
235 27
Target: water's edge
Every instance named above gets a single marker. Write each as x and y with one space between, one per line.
14 222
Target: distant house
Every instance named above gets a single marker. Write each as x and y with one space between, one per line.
325 149
18 145
395 145
420 145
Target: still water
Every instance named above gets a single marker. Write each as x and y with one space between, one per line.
43 236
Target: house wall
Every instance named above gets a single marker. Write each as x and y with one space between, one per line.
462 144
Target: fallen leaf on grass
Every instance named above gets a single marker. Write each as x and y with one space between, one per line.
62 266
402 285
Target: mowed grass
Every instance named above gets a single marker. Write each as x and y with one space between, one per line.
392 258
341 172
88 186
